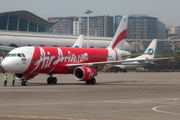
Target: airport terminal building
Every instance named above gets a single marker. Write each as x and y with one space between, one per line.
23 21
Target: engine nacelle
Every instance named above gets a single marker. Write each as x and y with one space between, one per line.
84 73
28 76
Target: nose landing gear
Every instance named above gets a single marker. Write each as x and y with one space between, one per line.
24 82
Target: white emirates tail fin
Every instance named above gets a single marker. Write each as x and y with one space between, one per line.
79 42
118 41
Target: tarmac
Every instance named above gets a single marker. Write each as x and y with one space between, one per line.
115 96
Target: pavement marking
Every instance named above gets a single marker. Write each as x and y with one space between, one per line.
135 101
156 109
34 117
129 101
105 112
45 117
175 99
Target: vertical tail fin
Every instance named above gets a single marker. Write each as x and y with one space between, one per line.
120 35
79 42
151 50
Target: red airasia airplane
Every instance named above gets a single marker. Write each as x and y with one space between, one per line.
84 63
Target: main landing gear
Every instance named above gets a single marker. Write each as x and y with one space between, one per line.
91 81
52 80
24 83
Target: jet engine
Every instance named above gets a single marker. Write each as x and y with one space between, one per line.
84 73
28 76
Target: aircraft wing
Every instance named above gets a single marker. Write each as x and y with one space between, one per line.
136 54
155 59
96 64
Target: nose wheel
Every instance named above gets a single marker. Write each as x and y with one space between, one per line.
24 82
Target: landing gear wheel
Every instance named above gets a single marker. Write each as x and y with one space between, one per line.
25 83
88 82
49 80
54 80
22 83
93 81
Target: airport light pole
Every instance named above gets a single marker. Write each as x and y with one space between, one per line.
88 12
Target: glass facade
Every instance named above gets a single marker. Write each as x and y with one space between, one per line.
101 26
23 25
144 27
15 23
3 22
41 29
32 27
117 21
64 24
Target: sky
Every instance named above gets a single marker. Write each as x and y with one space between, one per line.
166 10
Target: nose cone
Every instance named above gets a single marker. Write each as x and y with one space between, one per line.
11 64
6 65
14 64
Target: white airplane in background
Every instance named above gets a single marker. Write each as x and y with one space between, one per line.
84 63
148 54
79 42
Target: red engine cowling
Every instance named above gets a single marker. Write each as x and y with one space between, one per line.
84 73
28 76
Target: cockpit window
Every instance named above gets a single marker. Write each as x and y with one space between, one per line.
8 55
19 55
13 55
23 55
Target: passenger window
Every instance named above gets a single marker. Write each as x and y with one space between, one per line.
19 55
23 55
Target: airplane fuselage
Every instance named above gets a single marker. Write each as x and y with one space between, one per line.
54 59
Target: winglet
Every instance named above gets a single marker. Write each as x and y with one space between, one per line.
176 57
